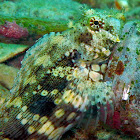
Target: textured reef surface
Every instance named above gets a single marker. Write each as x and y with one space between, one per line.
40 17
84 76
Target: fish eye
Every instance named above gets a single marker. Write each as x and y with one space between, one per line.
96 22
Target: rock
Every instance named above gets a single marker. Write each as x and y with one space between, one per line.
9 50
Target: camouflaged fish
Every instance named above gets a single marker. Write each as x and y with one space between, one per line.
61 79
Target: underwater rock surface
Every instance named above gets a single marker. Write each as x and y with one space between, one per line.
40 16
7 51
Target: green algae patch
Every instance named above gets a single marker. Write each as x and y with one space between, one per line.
41 17
37 25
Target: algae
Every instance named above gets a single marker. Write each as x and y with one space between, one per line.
40 17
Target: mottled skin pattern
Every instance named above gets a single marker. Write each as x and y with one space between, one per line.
61 78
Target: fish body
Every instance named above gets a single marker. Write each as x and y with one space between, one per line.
60 80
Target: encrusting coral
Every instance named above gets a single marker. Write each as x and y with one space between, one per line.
12 30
